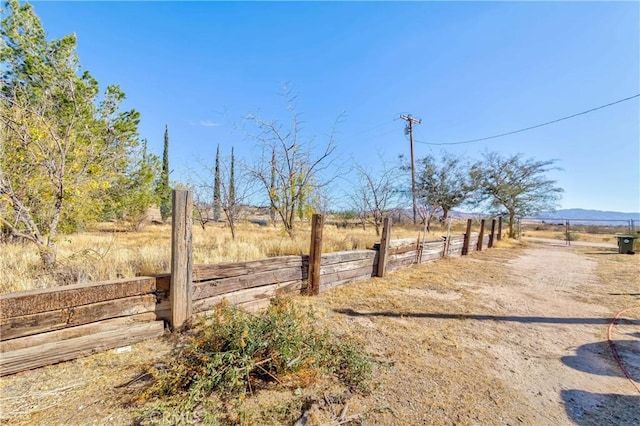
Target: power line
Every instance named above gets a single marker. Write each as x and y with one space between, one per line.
531 127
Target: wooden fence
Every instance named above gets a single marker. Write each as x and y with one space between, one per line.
42 327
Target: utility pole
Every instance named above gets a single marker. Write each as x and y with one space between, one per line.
409 129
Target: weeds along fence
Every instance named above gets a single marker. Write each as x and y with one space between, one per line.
43 327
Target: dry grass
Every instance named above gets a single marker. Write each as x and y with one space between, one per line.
428 371
434 365
106 253
614 271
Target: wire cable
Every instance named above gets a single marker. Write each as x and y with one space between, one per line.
531 127
612 346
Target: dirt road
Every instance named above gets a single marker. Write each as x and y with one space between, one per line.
508 336
554 346
511 338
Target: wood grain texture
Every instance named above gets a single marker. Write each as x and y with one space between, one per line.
347 256
73 332
206 289
51 299
181 257
345 266
327 286
228 270
384 247
347 274
54 352
248 295
467 239
480 242
25 325
315 252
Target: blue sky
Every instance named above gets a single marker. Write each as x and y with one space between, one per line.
467 69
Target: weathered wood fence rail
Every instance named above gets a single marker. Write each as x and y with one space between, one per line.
42 327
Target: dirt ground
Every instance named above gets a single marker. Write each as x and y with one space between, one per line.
509 336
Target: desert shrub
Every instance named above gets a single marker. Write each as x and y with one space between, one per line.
575 236
233 353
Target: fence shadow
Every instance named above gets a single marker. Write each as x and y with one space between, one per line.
505 318
587 408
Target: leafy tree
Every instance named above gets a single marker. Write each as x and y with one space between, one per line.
515 184
442 185
63 148
216 187
135 192
164 189
290 167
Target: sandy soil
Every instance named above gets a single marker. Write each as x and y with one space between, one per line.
553 347
509 336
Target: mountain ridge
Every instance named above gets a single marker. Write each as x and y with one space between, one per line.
588 214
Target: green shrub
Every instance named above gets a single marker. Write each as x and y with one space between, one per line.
232 353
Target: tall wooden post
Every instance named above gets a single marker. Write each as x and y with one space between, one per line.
315 252
384 247
447 241
493 233
480 236
499 228
467 238
181 257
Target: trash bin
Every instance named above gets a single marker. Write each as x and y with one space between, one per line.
625 244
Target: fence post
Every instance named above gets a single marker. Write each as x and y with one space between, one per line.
480 236
447 241
499 237
519 228
181 257
493 232
384 247
467 238
315 252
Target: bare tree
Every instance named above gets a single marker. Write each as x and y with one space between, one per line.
291 168
373 194
515 184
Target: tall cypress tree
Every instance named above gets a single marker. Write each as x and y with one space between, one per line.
163 188
231 209
216 187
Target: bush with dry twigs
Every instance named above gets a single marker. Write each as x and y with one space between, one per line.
233 354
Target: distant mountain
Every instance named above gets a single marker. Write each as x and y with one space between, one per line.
575 215
582 214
